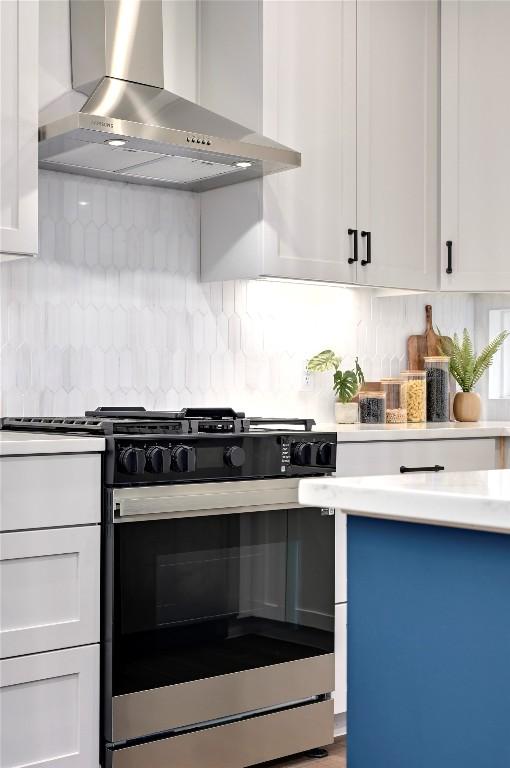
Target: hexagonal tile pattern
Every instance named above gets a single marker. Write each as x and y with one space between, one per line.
113 312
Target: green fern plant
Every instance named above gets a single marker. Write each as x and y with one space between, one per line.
465 366
346 384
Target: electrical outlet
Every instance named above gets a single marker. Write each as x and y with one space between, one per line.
306 379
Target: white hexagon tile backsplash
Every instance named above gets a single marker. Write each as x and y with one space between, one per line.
112 313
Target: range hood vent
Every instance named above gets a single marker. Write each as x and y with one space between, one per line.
129 127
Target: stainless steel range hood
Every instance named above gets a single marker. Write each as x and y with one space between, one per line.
130 128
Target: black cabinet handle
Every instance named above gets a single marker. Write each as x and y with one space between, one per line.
368 259
406 470
449 268
354 258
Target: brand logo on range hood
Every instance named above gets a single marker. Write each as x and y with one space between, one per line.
101 123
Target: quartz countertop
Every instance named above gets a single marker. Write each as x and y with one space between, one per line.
357 433
14 443
478 500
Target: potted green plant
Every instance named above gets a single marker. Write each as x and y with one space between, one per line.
346 384
467 369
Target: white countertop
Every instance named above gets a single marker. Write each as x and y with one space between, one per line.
14 443
357 433
479 500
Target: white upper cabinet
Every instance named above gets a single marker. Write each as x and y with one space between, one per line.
310 105
475 145
19 73
354 87
294 79
397 142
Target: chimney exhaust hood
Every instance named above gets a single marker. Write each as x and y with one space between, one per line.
129 127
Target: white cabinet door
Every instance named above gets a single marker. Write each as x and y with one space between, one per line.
340 694
299 61
19 74
310 105
397 147
49 706
49 589
475 144
49 491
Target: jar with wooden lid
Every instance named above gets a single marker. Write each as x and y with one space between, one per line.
372 407
414 395
437 369
396 411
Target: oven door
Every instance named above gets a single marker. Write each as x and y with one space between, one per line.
223 604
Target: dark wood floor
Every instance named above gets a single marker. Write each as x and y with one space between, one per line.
335 759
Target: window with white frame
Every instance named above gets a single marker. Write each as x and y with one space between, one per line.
499 373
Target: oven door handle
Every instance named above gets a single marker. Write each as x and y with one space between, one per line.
204 499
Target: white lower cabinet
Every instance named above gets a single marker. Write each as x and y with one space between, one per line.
49 589
387 458
340 694
49 709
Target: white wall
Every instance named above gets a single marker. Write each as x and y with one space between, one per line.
112 312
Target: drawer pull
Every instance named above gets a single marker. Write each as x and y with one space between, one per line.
436 468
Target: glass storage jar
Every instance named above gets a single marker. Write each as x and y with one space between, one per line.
438 388
396 412
372 407
414 395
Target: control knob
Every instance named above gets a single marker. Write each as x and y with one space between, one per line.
132 460
302 454
159 459
326 454
183 459
234 456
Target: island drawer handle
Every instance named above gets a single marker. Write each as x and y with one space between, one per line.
436 468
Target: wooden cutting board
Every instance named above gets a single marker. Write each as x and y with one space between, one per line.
422 346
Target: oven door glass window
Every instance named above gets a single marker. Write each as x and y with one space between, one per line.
198 597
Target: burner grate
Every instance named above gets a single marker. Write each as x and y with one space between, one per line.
138 421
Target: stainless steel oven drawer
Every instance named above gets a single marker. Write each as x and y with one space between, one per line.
242 743
176 706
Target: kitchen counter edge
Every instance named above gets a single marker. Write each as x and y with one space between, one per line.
359 433
476 500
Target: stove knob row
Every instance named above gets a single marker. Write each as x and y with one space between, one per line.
234 456
306 454
158 459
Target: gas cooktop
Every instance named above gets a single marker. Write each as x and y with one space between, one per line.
195 444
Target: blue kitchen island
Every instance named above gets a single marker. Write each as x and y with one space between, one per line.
428 617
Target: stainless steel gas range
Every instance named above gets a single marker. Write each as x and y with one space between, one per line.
218 588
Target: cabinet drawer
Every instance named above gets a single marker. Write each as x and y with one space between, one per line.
49 589
340 695
386 458
50 709
49 491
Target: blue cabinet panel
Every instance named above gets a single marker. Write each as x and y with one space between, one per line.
428 646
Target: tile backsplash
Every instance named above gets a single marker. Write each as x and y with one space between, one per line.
112 313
